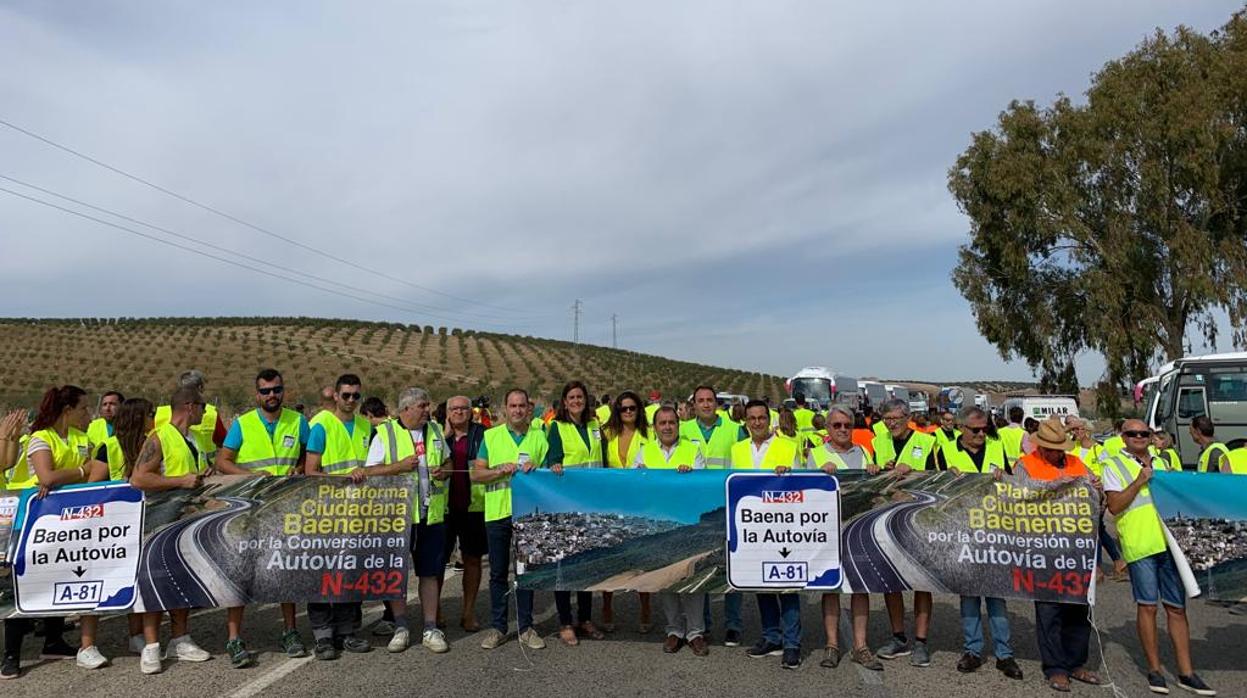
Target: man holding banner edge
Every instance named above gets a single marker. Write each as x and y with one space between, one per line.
1153 572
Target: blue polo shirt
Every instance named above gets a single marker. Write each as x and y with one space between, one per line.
233 438
316 436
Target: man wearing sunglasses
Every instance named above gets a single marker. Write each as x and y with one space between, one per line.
267 441
947 433
337 445
839 455
973 452
1153 572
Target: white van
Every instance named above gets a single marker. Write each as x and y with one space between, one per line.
1040 407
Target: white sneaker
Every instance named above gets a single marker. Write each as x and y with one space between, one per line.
136 644
149 662
400 641
184 649
435 641
90 658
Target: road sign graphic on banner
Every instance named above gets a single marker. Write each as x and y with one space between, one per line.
78 549
783 531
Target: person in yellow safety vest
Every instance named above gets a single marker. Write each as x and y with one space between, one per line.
574 440
1153 572
1214 456
715 435
655 401
624 434
1238 461
973 451
12 440
685 613
56 454
1091 453
839 455
412 443
666 449
1088 450
337 446
818 436
1115 443
1162 450
1012 434
509 448
131 424
168 460
903 450
780 614
603 410
208 432
947 432
101 427
804 415
268 440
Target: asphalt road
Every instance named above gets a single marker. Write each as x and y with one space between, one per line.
628 663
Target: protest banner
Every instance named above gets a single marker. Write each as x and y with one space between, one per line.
238 540
1206 514
638 530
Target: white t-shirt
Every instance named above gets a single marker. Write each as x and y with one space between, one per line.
376 456
699 460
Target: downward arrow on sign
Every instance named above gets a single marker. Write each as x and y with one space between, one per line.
785 551
79 571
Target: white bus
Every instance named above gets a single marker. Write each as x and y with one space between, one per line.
1214 385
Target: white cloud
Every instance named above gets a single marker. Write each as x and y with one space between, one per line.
532 153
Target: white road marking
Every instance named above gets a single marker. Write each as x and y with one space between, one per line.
270 677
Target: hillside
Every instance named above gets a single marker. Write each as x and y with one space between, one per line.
144 356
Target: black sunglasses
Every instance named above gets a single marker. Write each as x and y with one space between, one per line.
350 397
275 390
976 430
1137 434
627 408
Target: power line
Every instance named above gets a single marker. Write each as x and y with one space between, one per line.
242 222
266 271
413 306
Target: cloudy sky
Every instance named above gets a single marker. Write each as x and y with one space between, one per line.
759 185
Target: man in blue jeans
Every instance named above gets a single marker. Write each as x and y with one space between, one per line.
972 631
507 449
1153 573
781 629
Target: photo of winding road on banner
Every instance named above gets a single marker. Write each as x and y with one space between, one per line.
637 530
1206 517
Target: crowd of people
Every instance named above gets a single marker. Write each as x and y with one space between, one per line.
463 459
